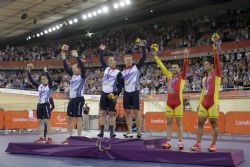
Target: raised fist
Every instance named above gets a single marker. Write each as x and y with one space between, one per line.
102 47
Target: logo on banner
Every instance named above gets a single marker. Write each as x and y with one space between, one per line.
60 118
242 122
22 119
157 121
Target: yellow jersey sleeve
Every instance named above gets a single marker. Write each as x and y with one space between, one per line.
163 67
202 90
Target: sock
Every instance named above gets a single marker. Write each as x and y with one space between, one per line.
111 129
102 128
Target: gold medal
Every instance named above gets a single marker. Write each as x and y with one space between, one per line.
111 96
215 37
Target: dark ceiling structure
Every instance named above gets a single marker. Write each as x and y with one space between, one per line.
21 18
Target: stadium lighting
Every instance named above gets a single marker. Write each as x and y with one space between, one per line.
116 6
105 9
128 2
122 4
99 11
89 15
84 17
70 22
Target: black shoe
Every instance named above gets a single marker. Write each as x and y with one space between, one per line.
128 135
112 135
101 134
139 135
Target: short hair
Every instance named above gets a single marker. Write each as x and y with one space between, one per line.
77 65
111 57
127 55
209 60
175 63
43 75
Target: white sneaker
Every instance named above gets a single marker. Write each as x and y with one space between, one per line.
128 135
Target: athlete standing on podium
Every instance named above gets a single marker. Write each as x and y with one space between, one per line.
131 97
176 82
209 101
43 106
111 89
77 83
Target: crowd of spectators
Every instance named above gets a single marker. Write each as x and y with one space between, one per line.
235 70
231 25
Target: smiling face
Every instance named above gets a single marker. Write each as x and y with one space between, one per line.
175 69
112 62
128 60
44 80
207 66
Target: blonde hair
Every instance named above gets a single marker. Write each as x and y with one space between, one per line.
127 55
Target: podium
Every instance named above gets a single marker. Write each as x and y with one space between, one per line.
129 149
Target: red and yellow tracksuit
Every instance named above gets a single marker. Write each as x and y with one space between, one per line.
209 100
175 89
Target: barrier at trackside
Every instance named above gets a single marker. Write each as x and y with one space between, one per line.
237 123
156 121
28 120
1 119
20 120
229 123
58 119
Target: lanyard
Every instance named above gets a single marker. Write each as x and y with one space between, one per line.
173 81
207 80
126 74
109 72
